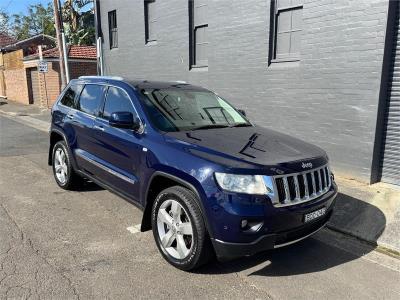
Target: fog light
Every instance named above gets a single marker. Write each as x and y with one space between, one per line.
243 224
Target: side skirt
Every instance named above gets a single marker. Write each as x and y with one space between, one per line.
110 188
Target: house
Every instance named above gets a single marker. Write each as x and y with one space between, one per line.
12 71
324 71
44 88
5 40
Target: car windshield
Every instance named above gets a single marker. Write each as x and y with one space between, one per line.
182 110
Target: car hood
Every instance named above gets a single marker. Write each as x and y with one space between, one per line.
240 146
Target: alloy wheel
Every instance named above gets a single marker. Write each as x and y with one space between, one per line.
60 166
174 229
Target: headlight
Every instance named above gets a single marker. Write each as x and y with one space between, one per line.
247 184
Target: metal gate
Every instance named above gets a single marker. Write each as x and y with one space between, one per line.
390 162
33 86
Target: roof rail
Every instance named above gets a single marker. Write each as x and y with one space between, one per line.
102 77
180 81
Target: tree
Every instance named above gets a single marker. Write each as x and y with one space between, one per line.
4 21
38 20
78 18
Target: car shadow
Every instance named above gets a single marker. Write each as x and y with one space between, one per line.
87 186
315 254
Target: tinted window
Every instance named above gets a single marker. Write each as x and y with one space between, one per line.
117 100
91 98
69 97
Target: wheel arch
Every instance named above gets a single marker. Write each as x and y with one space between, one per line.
160 181
55 136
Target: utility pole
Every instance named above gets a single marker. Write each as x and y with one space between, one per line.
64 43
59 43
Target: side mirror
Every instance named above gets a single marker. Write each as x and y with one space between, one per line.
124 119
242 112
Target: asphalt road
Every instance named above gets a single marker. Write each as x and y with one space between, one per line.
64 245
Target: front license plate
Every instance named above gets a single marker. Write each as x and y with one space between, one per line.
314 215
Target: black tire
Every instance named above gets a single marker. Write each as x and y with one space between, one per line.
201 250
72 180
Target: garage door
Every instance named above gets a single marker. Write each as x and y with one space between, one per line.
33 84
390 162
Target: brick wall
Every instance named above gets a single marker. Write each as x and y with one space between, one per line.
13 60
16 85
329 97
82 68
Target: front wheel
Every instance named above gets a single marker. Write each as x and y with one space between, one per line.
179 229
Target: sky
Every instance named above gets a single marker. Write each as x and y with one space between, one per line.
19 6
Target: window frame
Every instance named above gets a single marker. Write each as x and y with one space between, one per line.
101 112
79 88
274 14
147 21
113 31
192 37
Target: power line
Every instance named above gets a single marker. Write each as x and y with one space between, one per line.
8 5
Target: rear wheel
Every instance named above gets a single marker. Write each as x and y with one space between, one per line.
63 172
179 229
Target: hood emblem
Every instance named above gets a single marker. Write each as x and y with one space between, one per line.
306 165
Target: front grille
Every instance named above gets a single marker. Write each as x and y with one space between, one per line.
304 186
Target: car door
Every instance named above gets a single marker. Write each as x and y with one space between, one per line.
118 150
87 108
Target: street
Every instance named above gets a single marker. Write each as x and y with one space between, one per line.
85 244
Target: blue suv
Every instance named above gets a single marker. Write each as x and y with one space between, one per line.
208 181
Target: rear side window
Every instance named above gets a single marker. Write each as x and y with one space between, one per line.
117 100
91 98
70 95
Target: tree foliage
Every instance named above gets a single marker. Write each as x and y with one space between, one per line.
78 17
4 22
39 19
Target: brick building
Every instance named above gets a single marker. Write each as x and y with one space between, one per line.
43 88
12 71
321 70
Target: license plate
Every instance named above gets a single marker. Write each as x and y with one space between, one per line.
314 215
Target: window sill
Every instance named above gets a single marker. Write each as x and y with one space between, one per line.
199 68
150 43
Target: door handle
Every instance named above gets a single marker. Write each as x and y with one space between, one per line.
70 116
101 128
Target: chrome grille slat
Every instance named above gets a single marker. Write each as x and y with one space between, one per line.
320 188
306 194
313 183
287 192
295 188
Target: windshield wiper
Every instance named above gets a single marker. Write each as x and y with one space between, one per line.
209 126
240 125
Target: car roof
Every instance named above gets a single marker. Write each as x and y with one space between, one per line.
147 84
141 84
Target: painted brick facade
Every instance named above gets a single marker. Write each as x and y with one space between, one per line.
329 98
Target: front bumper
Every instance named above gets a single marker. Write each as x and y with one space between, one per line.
282 226
227 250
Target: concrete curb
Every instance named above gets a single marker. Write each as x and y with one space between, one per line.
385 249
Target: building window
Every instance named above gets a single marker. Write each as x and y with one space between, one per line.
198 28
288 22
150 20
113 29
